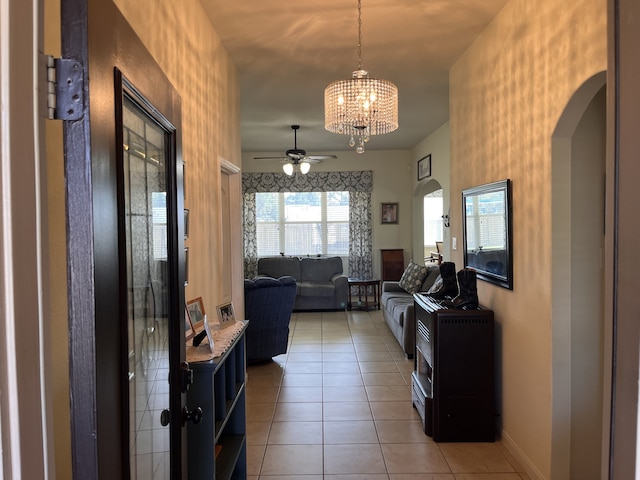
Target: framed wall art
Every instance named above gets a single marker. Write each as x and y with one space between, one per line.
196 312
424 167
389 214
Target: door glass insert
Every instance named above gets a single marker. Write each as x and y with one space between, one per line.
146 250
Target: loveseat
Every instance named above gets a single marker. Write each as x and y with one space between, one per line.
321 285
397 309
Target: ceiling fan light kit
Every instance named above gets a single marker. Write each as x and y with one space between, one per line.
296 159
360 106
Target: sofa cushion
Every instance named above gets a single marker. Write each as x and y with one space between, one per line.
433 273
397 306
412 278
277 267
319 269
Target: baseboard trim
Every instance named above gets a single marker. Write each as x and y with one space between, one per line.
529 468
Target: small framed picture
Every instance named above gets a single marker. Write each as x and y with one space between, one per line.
188 326
207 329
226 317
424 167
195 308
389 213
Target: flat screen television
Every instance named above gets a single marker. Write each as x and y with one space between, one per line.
486 213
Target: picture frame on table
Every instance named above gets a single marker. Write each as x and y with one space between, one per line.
424 167
389 213
196 311
226 315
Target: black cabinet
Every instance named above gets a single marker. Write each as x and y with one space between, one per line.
453 381
217 444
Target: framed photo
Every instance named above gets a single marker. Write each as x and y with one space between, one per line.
186 223
207 329
389 213
188 326
226 317
195 308
424 167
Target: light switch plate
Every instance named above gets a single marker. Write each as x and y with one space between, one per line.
454 243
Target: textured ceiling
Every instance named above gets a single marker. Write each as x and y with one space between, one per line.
287 52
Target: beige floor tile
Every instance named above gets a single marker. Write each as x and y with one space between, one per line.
422 476
341 367
378 367
344 394
305 348
488 476
371 347
258 394
414 458
303 367
350 432
342 380
291 477
475 458
338 347
300 394
302 380
401 410
339 357
298 412
295 433
332 339
292 460
258 433
388 393
382 378
355 476
401 431
337 411
304 357
260 412
359 458
255 456
368 356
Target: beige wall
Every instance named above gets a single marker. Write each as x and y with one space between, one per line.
507 93
181 39
393 171
183 42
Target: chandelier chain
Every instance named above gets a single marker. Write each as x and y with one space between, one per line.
359 34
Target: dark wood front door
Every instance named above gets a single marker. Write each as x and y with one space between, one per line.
126 254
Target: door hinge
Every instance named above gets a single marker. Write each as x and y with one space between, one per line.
65 88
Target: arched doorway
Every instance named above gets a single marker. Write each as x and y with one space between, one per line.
578 319
419 240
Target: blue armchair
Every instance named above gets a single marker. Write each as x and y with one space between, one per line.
268 304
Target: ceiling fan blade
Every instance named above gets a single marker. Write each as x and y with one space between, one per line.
270 158
319 157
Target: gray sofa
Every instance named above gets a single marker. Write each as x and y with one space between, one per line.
321 285
397 310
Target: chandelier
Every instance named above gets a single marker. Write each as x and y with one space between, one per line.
360 106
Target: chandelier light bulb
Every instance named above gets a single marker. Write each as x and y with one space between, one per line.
305 167
288 168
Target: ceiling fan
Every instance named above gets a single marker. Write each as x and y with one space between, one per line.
296 158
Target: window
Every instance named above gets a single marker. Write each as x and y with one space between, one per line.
432 219
302 223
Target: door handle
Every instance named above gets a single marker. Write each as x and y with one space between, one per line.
194 415
187 376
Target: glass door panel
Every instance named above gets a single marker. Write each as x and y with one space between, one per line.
146 249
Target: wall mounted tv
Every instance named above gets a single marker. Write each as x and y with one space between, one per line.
486 213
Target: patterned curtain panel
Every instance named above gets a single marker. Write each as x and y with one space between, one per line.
360 233
249 234
358 184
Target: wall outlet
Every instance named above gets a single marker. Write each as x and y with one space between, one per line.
454 243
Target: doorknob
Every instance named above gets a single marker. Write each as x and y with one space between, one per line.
194 415
165 417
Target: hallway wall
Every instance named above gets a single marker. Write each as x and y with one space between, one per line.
506 94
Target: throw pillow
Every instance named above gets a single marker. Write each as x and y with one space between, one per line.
412 278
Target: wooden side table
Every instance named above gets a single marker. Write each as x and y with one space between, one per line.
363 286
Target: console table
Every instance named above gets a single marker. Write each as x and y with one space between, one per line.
364 286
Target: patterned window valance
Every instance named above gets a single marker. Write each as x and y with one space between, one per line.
361 181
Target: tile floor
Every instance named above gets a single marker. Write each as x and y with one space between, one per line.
338 406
